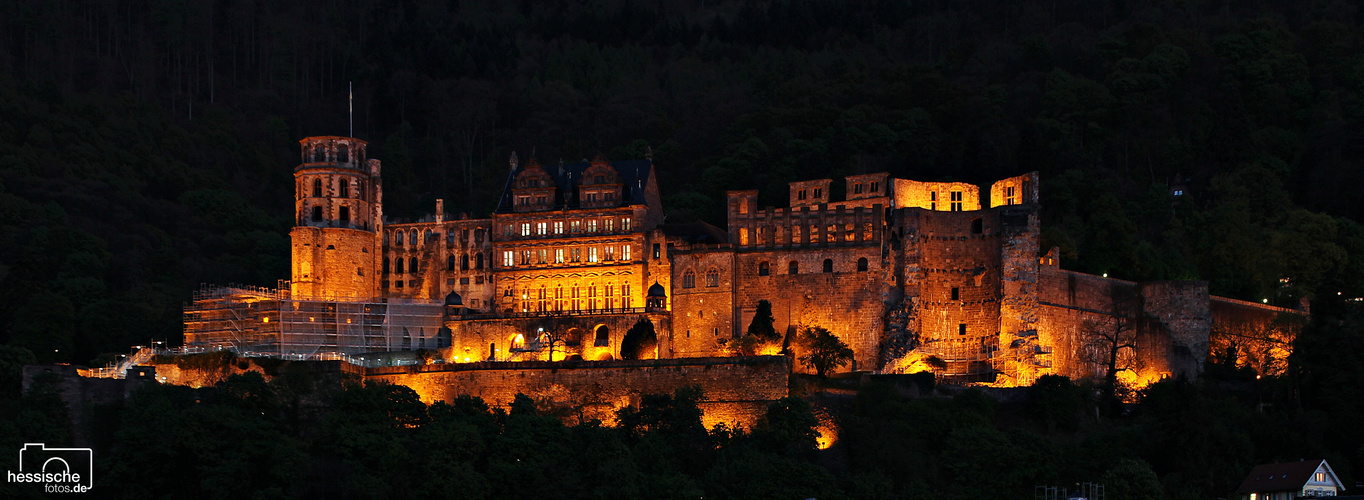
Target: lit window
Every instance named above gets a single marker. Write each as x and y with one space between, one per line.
541 228
591 254
525 257
592 225
574 226
625 251
1321 477
576 255
540 255
956 201
625 224
610 225
508 258
558 227
558 256
525 229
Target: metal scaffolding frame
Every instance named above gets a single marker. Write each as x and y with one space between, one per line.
269 322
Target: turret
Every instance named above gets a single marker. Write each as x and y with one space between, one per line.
337 194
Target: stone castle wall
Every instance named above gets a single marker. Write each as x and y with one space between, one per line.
737 390
594 337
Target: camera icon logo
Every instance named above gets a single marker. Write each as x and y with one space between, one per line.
59 470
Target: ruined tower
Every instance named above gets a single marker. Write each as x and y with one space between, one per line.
337 210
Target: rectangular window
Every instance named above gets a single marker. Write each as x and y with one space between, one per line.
559 227
961 329
525 257
610 252
610 225
525 229
576 254
874 186
540 255
857 188
541 228
956 201
819 193
800 195
625 224
1321 477
478 280
523 200
956 293
558 256
508 258
464 281
625 253
656 252
743 236
574 226
591 254
1009 194
508 230
592 225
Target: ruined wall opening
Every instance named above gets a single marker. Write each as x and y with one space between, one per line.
602 336
640 342
977 226
828 265
764 269
793 268
862 265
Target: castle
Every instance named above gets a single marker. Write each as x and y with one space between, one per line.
577 262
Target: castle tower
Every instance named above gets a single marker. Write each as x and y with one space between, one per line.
337 210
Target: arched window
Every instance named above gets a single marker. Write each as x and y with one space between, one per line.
464 262
386 266
412 266
450 263
862 265
793 268
343 154
603 337
319 153
412 237
344 184
764 269
317 214
427 238
689 279
398 238
478 261
713 278
317 188
828 265
398 265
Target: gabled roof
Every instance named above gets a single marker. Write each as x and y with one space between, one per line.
634 176
1287 476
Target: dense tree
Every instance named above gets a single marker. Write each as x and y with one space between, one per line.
824 351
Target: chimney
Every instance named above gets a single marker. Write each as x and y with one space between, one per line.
440 210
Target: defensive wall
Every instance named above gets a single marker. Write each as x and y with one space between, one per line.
1258 335
737 390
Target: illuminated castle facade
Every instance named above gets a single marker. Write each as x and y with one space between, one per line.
576 262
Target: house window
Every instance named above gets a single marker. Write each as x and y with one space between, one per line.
541 228
559 227
385 266
576 255
573 226
688 280
558 256
412 266
1009 196
592 225
345 188
764 269
1320 477
317 188
961 329
508 258
525 229
862 265
625 224
932 200
656 252
956 201
793 268
591 254
525 257
412 237
540 255
625 253
464 262
343 154
610 225
956 293
713 278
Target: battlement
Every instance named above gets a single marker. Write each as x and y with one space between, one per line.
332 152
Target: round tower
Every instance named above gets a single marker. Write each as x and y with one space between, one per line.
337 211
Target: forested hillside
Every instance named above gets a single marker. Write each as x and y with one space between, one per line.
146 146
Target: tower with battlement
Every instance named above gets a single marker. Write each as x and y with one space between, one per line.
338 212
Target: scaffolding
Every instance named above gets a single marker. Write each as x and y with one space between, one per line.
268 322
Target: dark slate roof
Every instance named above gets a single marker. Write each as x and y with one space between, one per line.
657 291
1288 476
634 175
698 232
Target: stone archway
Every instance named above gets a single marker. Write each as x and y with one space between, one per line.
640 342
